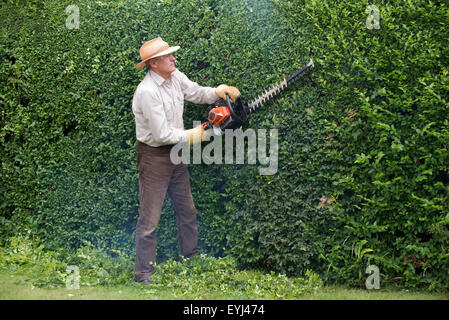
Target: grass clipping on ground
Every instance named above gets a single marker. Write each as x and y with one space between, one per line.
198 278
208 276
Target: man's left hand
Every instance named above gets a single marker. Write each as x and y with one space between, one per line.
223 89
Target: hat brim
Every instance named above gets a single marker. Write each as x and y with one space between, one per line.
141 64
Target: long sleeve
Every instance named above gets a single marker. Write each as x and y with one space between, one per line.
195 93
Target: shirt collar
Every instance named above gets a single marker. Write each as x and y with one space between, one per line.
157 78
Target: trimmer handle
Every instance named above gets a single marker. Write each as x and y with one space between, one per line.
231 108
206 125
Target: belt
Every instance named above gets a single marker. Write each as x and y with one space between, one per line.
165 149
165 146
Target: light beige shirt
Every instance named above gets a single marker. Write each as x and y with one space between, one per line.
158 105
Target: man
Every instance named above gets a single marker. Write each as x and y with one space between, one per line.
158 105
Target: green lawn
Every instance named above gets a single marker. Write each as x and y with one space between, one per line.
15 287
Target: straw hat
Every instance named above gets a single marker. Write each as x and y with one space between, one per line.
154 48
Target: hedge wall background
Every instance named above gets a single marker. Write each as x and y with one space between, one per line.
363 160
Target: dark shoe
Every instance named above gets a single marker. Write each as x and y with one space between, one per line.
146 282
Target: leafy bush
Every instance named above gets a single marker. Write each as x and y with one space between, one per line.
362 140
388 87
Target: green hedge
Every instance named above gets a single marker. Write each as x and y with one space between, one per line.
363 175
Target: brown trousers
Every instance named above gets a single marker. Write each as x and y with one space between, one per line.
157 175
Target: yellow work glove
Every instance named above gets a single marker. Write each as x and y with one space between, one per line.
198 134
222 89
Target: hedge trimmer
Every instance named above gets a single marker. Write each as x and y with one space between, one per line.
226 115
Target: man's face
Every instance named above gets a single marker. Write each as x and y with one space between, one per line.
163 65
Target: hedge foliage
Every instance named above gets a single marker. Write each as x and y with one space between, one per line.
363 175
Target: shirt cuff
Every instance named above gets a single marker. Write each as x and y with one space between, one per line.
184 137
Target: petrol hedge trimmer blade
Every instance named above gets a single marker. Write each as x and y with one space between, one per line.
268 94
226 115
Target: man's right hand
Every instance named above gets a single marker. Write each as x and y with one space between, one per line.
198 134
